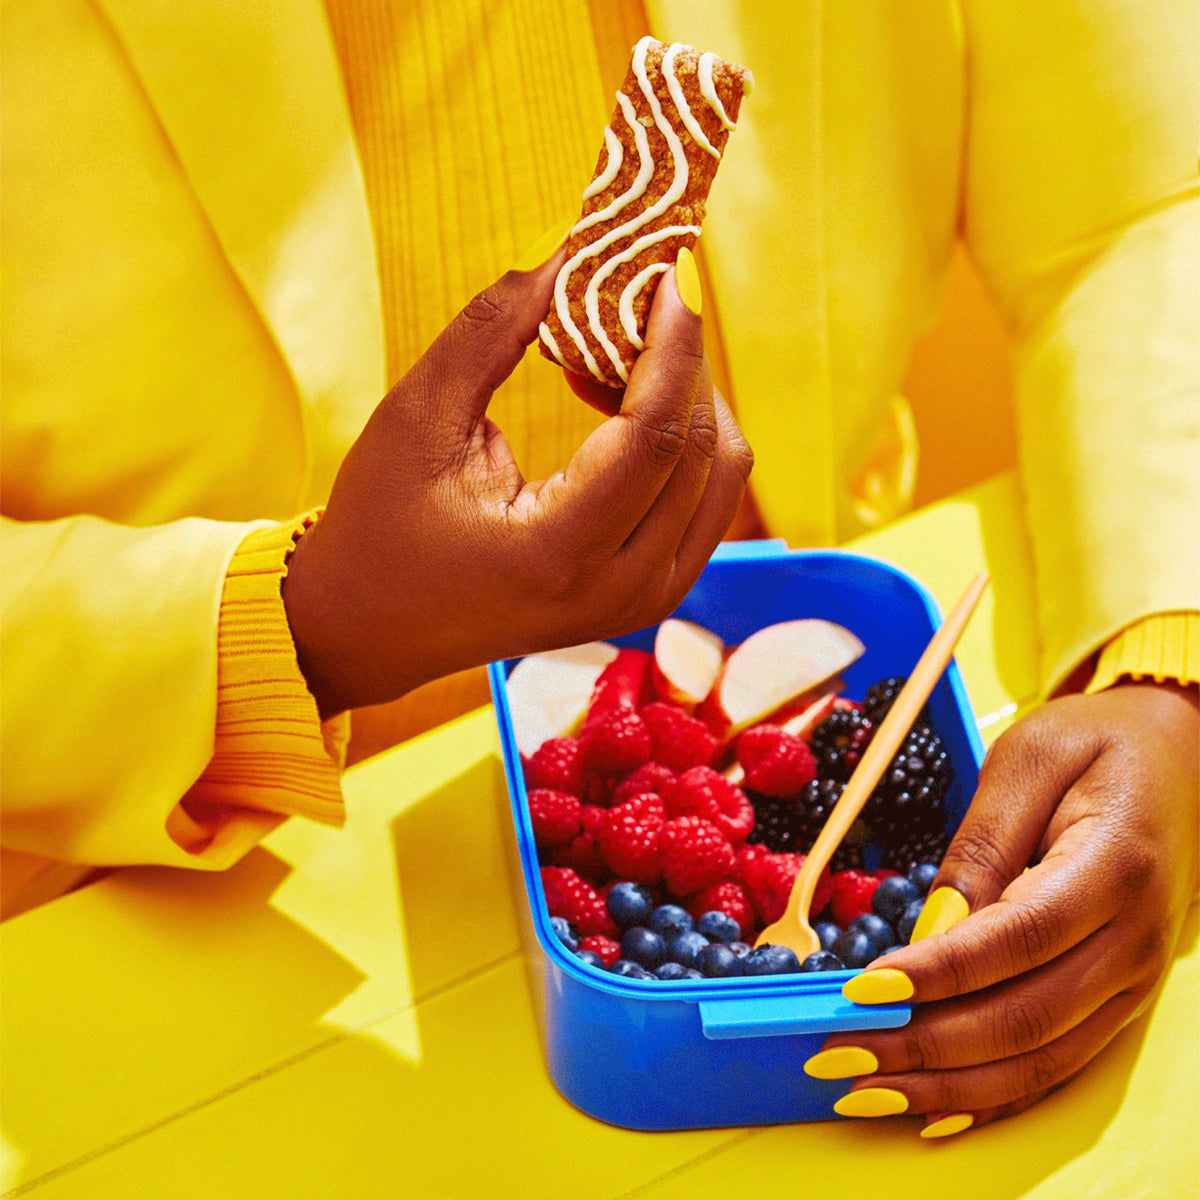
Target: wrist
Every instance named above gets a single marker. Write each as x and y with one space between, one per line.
312 612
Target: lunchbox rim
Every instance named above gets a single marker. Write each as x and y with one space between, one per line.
690 990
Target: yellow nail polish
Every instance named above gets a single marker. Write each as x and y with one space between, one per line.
954 1123
544 247
883 986
841 1062
687 280
944 908
872 1102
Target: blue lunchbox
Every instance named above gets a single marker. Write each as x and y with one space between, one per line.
704 1053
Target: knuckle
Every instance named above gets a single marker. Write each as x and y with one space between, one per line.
1151 951
704 434
1023 1024
1040 1070
664 440
1030 937
974 852
922 1047
487 309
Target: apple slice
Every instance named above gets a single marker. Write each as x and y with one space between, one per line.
772 668
548 693
687 661
809 712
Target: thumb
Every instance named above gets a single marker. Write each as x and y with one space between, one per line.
455 378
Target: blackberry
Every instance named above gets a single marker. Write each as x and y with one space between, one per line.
847 858
909 798
778 824
925 847
838 742
881 696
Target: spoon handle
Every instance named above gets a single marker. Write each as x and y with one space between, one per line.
889 737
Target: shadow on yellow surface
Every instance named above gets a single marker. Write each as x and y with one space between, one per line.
122 1023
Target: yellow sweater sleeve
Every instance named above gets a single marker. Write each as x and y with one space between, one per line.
271 752
1164 646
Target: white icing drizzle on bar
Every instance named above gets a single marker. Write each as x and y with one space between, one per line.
630 293
591 297
708 89
616 155
641 180
638 187
550 343
685 113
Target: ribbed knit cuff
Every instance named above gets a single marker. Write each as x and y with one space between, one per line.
271 752
1164 646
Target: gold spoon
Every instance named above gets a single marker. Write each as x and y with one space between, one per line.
793 929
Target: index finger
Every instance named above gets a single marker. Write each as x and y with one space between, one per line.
1037 918
616 475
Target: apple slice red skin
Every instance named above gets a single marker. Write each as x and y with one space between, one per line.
624 684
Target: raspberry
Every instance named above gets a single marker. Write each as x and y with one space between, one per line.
583 851
555 816
619 741
569 896
776 763
608 949
694 854
556 764
852 892
680 741
731 899
768 880
649 777
703 792
628 838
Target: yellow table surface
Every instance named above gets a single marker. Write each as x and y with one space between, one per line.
345 1013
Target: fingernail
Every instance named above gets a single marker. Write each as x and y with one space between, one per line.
883 986
944 908
544 247
954 1123
841 1062
687 280
872 1102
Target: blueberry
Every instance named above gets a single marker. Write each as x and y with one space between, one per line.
630 970
771 960
922 876
629 904
691 973
671 970
822 960
643 946
893 896
685 947
590 957
717 961
875 927
908 919
719 927
827 933
741 949
669 921
889 950
567 933
855 948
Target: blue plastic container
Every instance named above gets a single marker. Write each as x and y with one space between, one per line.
703 1053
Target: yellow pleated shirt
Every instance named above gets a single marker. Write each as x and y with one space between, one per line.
226 228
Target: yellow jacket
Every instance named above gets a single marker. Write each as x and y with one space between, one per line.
194 333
